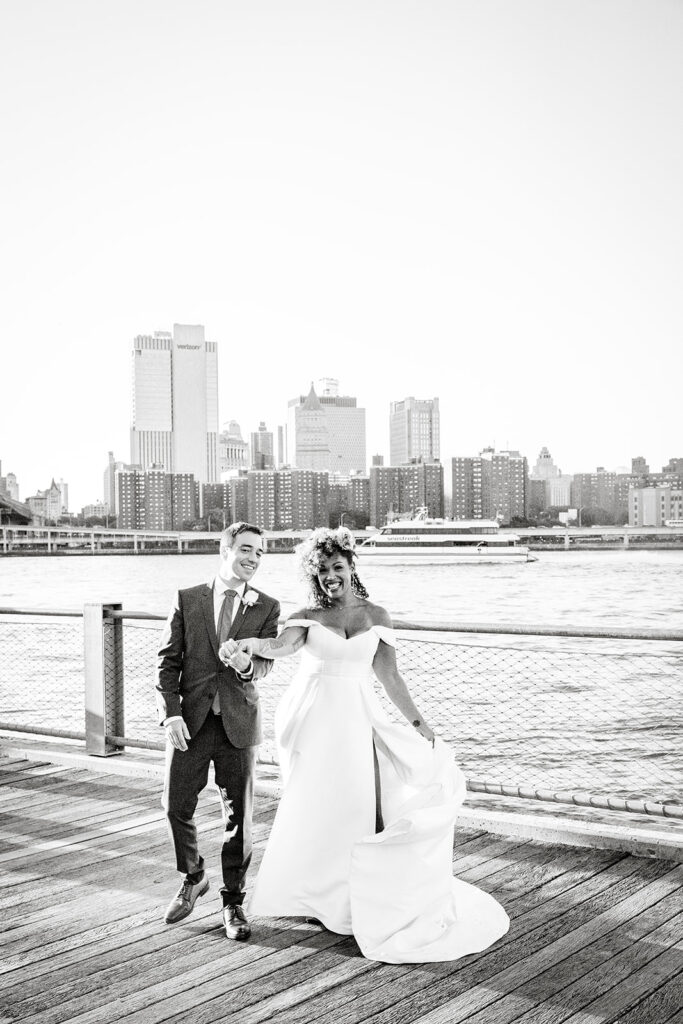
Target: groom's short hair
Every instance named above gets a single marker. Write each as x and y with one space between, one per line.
230 534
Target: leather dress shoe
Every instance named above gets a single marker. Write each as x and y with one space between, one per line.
236 924
182 905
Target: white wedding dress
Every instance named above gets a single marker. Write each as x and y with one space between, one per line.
394 890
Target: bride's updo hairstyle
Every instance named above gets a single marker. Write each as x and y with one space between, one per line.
324 543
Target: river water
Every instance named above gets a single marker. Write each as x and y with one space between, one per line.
588 588
598 715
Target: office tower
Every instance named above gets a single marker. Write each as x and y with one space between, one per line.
398 491
46 505
673 466
492 485
8 485
639 465
233 450
377 460
555 489
326 432
262 448
64 495
545 468
307 433
414 431
175 403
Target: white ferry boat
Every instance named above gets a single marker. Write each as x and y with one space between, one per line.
442 540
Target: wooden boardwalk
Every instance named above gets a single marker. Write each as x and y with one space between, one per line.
86 870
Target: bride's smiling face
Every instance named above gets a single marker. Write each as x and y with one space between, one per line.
334 576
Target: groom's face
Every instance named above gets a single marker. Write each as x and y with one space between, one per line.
242 559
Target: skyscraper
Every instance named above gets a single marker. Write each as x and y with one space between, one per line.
262 448
547 485
414 431
175 403
232 450
326 431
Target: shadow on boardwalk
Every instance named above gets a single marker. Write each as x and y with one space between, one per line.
87 872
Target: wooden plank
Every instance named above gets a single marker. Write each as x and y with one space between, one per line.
20 946
65 874
23 827
231 966
664 1006
479 997
532 933
624 997
20 764
586 923
604 966
159 997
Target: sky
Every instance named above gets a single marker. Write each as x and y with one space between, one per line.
478 200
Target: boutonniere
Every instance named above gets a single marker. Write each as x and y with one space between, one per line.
249 599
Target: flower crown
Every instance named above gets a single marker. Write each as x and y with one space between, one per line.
323 543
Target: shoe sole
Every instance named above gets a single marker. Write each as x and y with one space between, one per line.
181 917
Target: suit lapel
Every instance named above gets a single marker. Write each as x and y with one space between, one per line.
242 614
207 608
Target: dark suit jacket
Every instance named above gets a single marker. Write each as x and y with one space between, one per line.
189 671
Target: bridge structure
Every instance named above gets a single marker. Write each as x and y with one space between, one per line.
22 539
17 537
13 512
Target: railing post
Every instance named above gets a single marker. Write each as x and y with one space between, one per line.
103 678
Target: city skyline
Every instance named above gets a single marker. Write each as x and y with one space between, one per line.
487 210
445 460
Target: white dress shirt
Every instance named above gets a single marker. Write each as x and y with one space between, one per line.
219 589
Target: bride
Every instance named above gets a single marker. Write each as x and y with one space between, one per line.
363 836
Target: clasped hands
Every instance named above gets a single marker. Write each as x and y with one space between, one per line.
237 654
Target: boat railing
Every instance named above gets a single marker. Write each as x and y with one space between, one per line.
572 715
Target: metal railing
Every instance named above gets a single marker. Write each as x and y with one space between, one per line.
583 716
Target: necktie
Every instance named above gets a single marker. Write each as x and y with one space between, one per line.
225 617
224 623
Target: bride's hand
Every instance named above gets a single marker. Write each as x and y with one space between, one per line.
424 730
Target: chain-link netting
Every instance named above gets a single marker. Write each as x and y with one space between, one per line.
42 673
566 714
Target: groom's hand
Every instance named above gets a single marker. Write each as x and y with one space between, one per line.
237 656
178 733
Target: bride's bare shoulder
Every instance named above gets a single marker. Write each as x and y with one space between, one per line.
303 613
379 616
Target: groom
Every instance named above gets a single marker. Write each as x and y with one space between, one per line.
209 706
